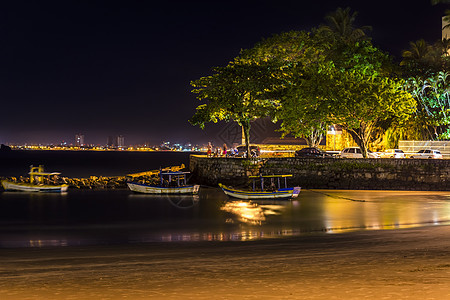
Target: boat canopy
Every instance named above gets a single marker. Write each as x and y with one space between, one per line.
44 173
174 173
39 171
271 178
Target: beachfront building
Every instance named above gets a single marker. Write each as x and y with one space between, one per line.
446 31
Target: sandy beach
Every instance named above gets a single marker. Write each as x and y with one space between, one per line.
385 264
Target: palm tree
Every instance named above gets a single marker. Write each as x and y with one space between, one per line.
444 45
341 24
418 50
421 58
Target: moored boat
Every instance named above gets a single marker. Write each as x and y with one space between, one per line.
263 193
151 189
39 181
170 182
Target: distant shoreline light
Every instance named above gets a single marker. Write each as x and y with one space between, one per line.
101 148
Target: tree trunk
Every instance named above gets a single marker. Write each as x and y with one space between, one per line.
360 140
246 130
362 135
314 138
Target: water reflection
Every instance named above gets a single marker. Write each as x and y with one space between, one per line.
383 210
246 212
177 201
251 212
112 216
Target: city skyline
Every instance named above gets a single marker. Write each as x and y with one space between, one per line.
124 69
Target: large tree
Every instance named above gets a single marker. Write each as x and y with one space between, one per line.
301 57
362 100
350 84
240 92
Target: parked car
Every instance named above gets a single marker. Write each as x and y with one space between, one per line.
355 152
393 153
312 152
427 153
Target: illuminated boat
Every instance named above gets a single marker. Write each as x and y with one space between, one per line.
40 181
171 182
263 193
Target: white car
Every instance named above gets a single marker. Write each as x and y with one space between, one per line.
393 153
355 152
427 153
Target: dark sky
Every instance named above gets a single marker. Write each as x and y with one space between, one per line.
123 67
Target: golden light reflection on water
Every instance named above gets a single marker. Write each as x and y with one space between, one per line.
382 210
215 217
47 243
246 212
330 212
251 212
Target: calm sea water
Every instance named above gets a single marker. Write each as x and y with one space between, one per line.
87 163
86 217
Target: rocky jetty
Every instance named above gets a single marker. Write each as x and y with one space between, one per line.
93 182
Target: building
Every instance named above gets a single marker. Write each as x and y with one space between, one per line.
120 141
110 142
79 140
446 30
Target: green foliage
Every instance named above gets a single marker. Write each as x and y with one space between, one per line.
340 78
433 97
242 91
423 59
303 59
309 80
362 99
345 83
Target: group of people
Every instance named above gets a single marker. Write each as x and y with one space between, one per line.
221 151
229 152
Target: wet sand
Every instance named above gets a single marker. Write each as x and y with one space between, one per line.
386 264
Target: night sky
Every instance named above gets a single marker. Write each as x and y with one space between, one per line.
106 68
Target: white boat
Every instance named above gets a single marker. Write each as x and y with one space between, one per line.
152 189
170 183
40 181
261 194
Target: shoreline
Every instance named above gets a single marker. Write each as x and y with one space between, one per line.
373 264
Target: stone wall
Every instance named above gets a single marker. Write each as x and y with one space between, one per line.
376 174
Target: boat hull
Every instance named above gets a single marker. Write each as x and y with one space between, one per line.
286 193
27 187
149 189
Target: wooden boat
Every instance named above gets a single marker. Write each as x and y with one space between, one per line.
262 193
170 182
40 181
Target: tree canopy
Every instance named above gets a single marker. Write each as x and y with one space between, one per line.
241 91
433 99
332 75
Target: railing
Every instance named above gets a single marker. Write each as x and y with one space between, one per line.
411 147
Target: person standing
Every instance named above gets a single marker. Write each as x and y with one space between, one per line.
209 152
